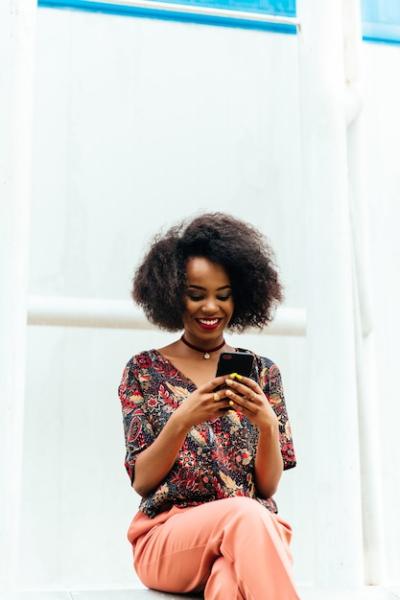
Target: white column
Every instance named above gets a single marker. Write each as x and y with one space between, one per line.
368 390
332 389
17 18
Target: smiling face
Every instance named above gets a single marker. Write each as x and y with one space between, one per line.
208 302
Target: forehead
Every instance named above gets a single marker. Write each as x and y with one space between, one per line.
201 271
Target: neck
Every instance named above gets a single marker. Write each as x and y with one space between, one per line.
201 343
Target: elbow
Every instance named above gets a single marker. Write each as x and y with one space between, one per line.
267 487
139 489
136 483
272 491
268 492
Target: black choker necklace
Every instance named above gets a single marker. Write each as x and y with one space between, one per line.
206 353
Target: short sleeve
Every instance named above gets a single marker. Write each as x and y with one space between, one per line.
274 391
137 429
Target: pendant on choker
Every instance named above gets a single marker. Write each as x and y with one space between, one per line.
206 353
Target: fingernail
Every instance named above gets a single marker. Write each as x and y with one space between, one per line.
229 381
236 376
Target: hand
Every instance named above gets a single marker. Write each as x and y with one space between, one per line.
249 399
204 404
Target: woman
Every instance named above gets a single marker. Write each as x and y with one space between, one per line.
206 453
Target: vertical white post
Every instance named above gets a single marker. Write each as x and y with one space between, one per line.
17 20
368 410
332 386
370 455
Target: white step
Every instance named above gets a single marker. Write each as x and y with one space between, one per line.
367 593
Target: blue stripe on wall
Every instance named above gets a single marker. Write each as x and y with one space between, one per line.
285 8
381 33
381 21
381 18
151 13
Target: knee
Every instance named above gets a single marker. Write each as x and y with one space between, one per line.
244 508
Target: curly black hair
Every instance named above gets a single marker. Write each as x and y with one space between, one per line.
160 281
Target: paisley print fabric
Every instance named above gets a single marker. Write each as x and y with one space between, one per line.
217 457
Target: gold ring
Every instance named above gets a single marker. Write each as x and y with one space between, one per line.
230 402
216 397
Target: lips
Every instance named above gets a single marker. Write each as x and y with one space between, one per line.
209 324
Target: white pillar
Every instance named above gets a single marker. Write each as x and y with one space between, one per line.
332 389
368 396
17 18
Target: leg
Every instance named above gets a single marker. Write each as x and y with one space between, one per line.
257 542
222 582
178 554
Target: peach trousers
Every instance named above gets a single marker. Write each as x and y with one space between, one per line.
232 549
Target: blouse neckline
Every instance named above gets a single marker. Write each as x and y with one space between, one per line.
179 372
171 364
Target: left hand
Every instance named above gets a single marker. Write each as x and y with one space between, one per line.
249 399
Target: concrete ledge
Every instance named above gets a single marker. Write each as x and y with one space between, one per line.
133 594
367 593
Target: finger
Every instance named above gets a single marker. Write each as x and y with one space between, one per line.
219 395
214 383
226 406
241 401
244 390
253 385
240 410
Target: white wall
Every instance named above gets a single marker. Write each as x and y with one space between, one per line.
142 122
382 188
137 124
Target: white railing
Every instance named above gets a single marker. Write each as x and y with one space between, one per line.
121 314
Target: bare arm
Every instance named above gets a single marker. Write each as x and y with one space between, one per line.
269 462
153 464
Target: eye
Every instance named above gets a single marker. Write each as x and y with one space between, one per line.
194 297
226 297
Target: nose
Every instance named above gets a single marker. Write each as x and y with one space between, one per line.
210 306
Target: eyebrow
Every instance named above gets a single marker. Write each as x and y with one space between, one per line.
199 287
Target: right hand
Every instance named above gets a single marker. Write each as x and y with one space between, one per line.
204 404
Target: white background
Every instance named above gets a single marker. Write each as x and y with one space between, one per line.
137 124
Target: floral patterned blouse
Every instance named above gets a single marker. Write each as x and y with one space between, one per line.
217 457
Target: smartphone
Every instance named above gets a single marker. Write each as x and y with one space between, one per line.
235 362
